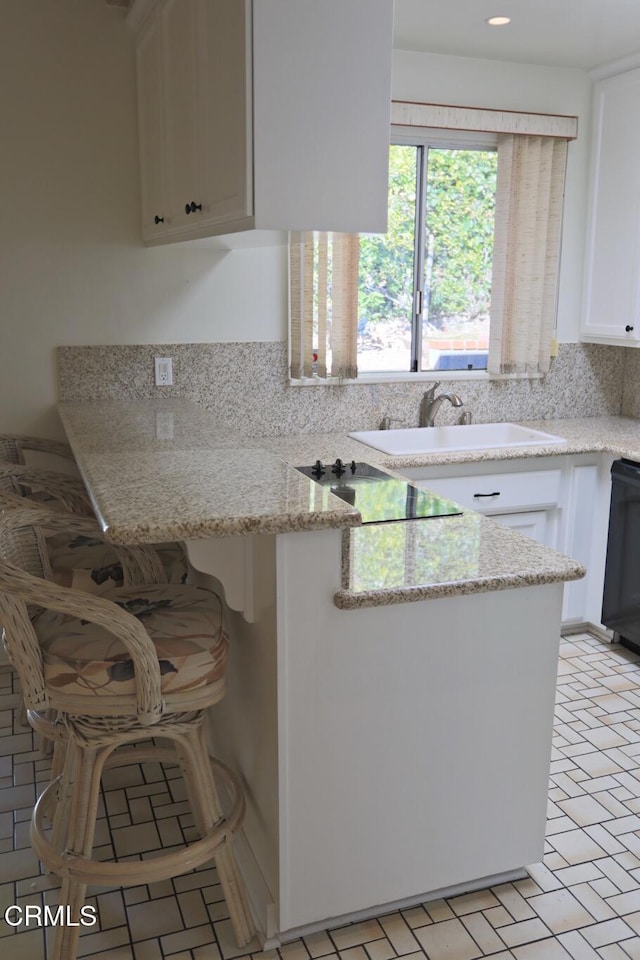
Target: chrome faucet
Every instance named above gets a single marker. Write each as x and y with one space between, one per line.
431 404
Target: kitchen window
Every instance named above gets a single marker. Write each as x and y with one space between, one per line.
465 278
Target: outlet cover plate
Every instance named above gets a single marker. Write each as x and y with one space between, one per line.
164 371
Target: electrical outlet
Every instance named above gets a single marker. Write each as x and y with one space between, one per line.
164 371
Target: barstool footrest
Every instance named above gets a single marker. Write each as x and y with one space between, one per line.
133 873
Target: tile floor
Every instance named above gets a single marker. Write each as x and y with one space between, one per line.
583 902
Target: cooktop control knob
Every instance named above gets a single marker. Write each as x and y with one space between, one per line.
338 468
318 469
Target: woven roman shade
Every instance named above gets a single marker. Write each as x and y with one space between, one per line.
446 117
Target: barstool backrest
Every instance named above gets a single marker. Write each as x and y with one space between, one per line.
46 486
13 447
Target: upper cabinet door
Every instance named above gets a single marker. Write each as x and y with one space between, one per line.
178 23
155 216
225 110
612 277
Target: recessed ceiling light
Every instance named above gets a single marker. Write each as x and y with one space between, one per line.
498 21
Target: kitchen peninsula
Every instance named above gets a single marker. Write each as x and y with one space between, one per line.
391 686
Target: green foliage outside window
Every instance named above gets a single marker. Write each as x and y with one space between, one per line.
459 226
386 261
461 188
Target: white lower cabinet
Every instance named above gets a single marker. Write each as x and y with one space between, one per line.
584 534
525 500
562 502
534 523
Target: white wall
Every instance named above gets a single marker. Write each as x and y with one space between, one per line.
72 267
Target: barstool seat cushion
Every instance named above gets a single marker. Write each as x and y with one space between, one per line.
185 624
92 565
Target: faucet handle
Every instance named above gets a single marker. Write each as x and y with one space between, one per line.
387 423
431 392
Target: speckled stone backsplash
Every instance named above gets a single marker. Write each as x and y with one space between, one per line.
631 390
246 387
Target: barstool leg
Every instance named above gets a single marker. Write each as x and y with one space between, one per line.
63 766
207 811
87 765
48 728
21 714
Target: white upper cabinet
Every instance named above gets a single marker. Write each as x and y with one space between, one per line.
263 114
612 278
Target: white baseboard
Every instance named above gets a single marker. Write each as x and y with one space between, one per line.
383 908
261 900
571 629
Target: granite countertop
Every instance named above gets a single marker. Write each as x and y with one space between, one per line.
160 470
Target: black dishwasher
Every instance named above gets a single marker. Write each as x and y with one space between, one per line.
621 599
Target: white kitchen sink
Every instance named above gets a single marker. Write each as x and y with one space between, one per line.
472 436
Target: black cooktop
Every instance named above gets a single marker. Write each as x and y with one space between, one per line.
379 497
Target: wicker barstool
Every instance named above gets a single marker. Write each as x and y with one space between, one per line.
81 559
144 664
85 561
138 565
67 489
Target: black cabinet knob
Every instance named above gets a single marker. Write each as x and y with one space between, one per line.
192 207
628 329
158 219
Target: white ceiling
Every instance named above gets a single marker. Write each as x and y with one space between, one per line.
573 33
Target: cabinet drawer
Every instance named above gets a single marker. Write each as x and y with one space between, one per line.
497 492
